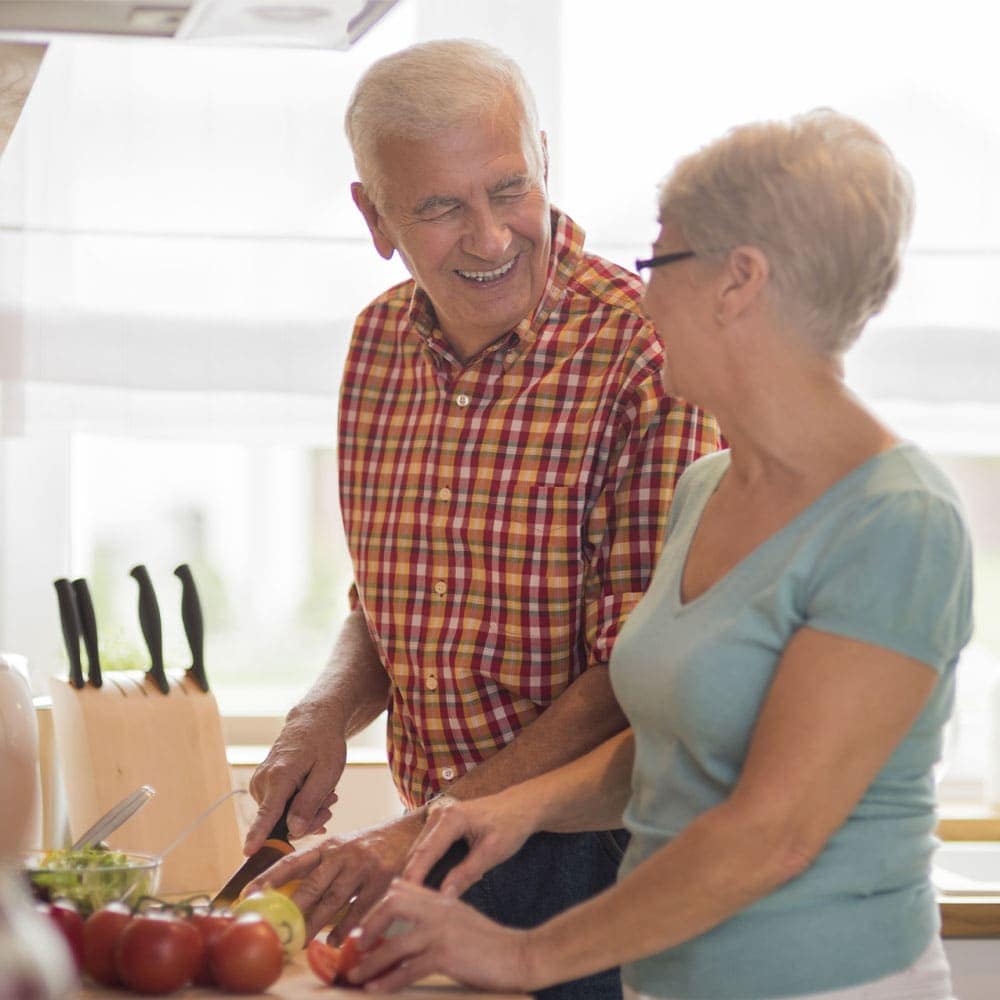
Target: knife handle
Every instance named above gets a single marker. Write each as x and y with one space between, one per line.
70 620
194 626
152 630
88 626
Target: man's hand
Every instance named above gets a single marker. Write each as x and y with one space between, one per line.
493 829
415 931
306 762
342 878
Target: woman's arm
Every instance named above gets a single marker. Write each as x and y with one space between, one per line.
836 711
589 793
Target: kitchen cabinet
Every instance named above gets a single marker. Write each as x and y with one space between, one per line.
971 930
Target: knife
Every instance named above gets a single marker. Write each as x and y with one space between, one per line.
70 619
275 847
193 625
152 630
88 626
114 818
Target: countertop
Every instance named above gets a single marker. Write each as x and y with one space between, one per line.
298 983
970 916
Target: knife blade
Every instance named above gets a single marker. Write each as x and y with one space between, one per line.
275 847
88 626
70 619
152 630
194 627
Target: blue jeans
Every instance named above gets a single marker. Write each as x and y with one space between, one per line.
552 872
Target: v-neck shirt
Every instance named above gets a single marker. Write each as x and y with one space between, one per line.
883 556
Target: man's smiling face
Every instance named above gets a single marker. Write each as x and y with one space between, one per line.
469 215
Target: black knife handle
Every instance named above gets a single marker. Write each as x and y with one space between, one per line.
88 626
455 854
71 630
152 630
194 626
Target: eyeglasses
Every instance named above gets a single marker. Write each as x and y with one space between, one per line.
666 258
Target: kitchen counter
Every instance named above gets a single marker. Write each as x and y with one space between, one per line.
298 983
970 916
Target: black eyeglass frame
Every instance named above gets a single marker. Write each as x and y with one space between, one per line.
666 258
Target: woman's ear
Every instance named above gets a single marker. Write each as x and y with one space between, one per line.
374 220
746 273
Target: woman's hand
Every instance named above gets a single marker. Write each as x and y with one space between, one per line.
494 827
415 931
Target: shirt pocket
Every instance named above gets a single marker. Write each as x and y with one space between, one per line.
527 574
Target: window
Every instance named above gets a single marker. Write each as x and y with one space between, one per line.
181 265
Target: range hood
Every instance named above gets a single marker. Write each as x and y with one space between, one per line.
308 23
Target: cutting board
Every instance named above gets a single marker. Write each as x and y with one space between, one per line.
298 983
127 733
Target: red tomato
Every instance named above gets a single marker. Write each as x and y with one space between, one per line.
324 960
101 931
331 963
350 955
209 924
158 953
247 956
67 918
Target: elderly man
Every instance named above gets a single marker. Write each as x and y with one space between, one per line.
507 459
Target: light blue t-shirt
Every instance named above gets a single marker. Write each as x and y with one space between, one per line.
884 557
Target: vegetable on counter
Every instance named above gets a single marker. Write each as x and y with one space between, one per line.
91 877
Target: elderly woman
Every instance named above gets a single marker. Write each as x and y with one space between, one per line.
790 670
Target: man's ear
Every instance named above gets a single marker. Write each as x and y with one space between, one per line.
746 273
373 219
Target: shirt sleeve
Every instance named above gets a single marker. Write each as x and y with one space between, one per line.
898 575
658 436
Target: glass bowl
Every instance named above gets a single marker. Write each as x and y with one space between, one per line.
93 877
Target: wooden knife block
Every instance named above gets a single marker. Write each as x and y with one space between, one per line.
127 733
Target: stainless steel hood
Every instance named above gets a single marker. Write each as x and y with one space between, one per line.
310 23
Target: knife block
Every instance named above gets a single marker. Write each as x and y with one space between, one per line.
127 733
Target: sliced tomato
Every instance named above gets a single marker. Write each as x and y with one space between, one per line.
350 955
324 960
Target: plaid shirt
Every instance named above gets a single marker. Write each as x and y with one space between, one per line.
504 516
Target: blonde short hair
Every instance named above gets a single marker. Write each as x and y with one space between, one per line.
426 89
822 196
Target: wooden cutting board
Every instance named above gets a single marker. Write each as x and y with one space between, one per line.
298 983
127 733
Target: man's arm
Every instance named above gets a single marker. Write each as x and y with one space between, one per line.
309 754
581 718
343 877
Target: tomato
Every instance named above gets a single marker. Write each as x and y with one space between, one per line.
324 960
350 955
64 915
281 913
247 956
101 931
331 963
158 953
209 924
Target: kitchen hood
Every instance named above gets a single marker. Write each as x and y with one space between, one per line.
295 23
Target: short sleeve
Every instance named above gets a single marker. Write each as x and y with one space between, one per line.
899 575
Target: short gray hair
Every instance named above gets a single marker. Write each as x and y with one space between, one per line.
424 90
825 200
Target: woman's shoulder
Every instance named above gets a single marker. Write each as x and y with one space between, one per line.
906 477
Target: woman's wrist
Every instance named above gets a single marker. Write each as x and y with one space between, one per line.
531 959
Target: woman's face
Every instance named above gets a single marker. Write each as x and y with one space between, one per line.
676 300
